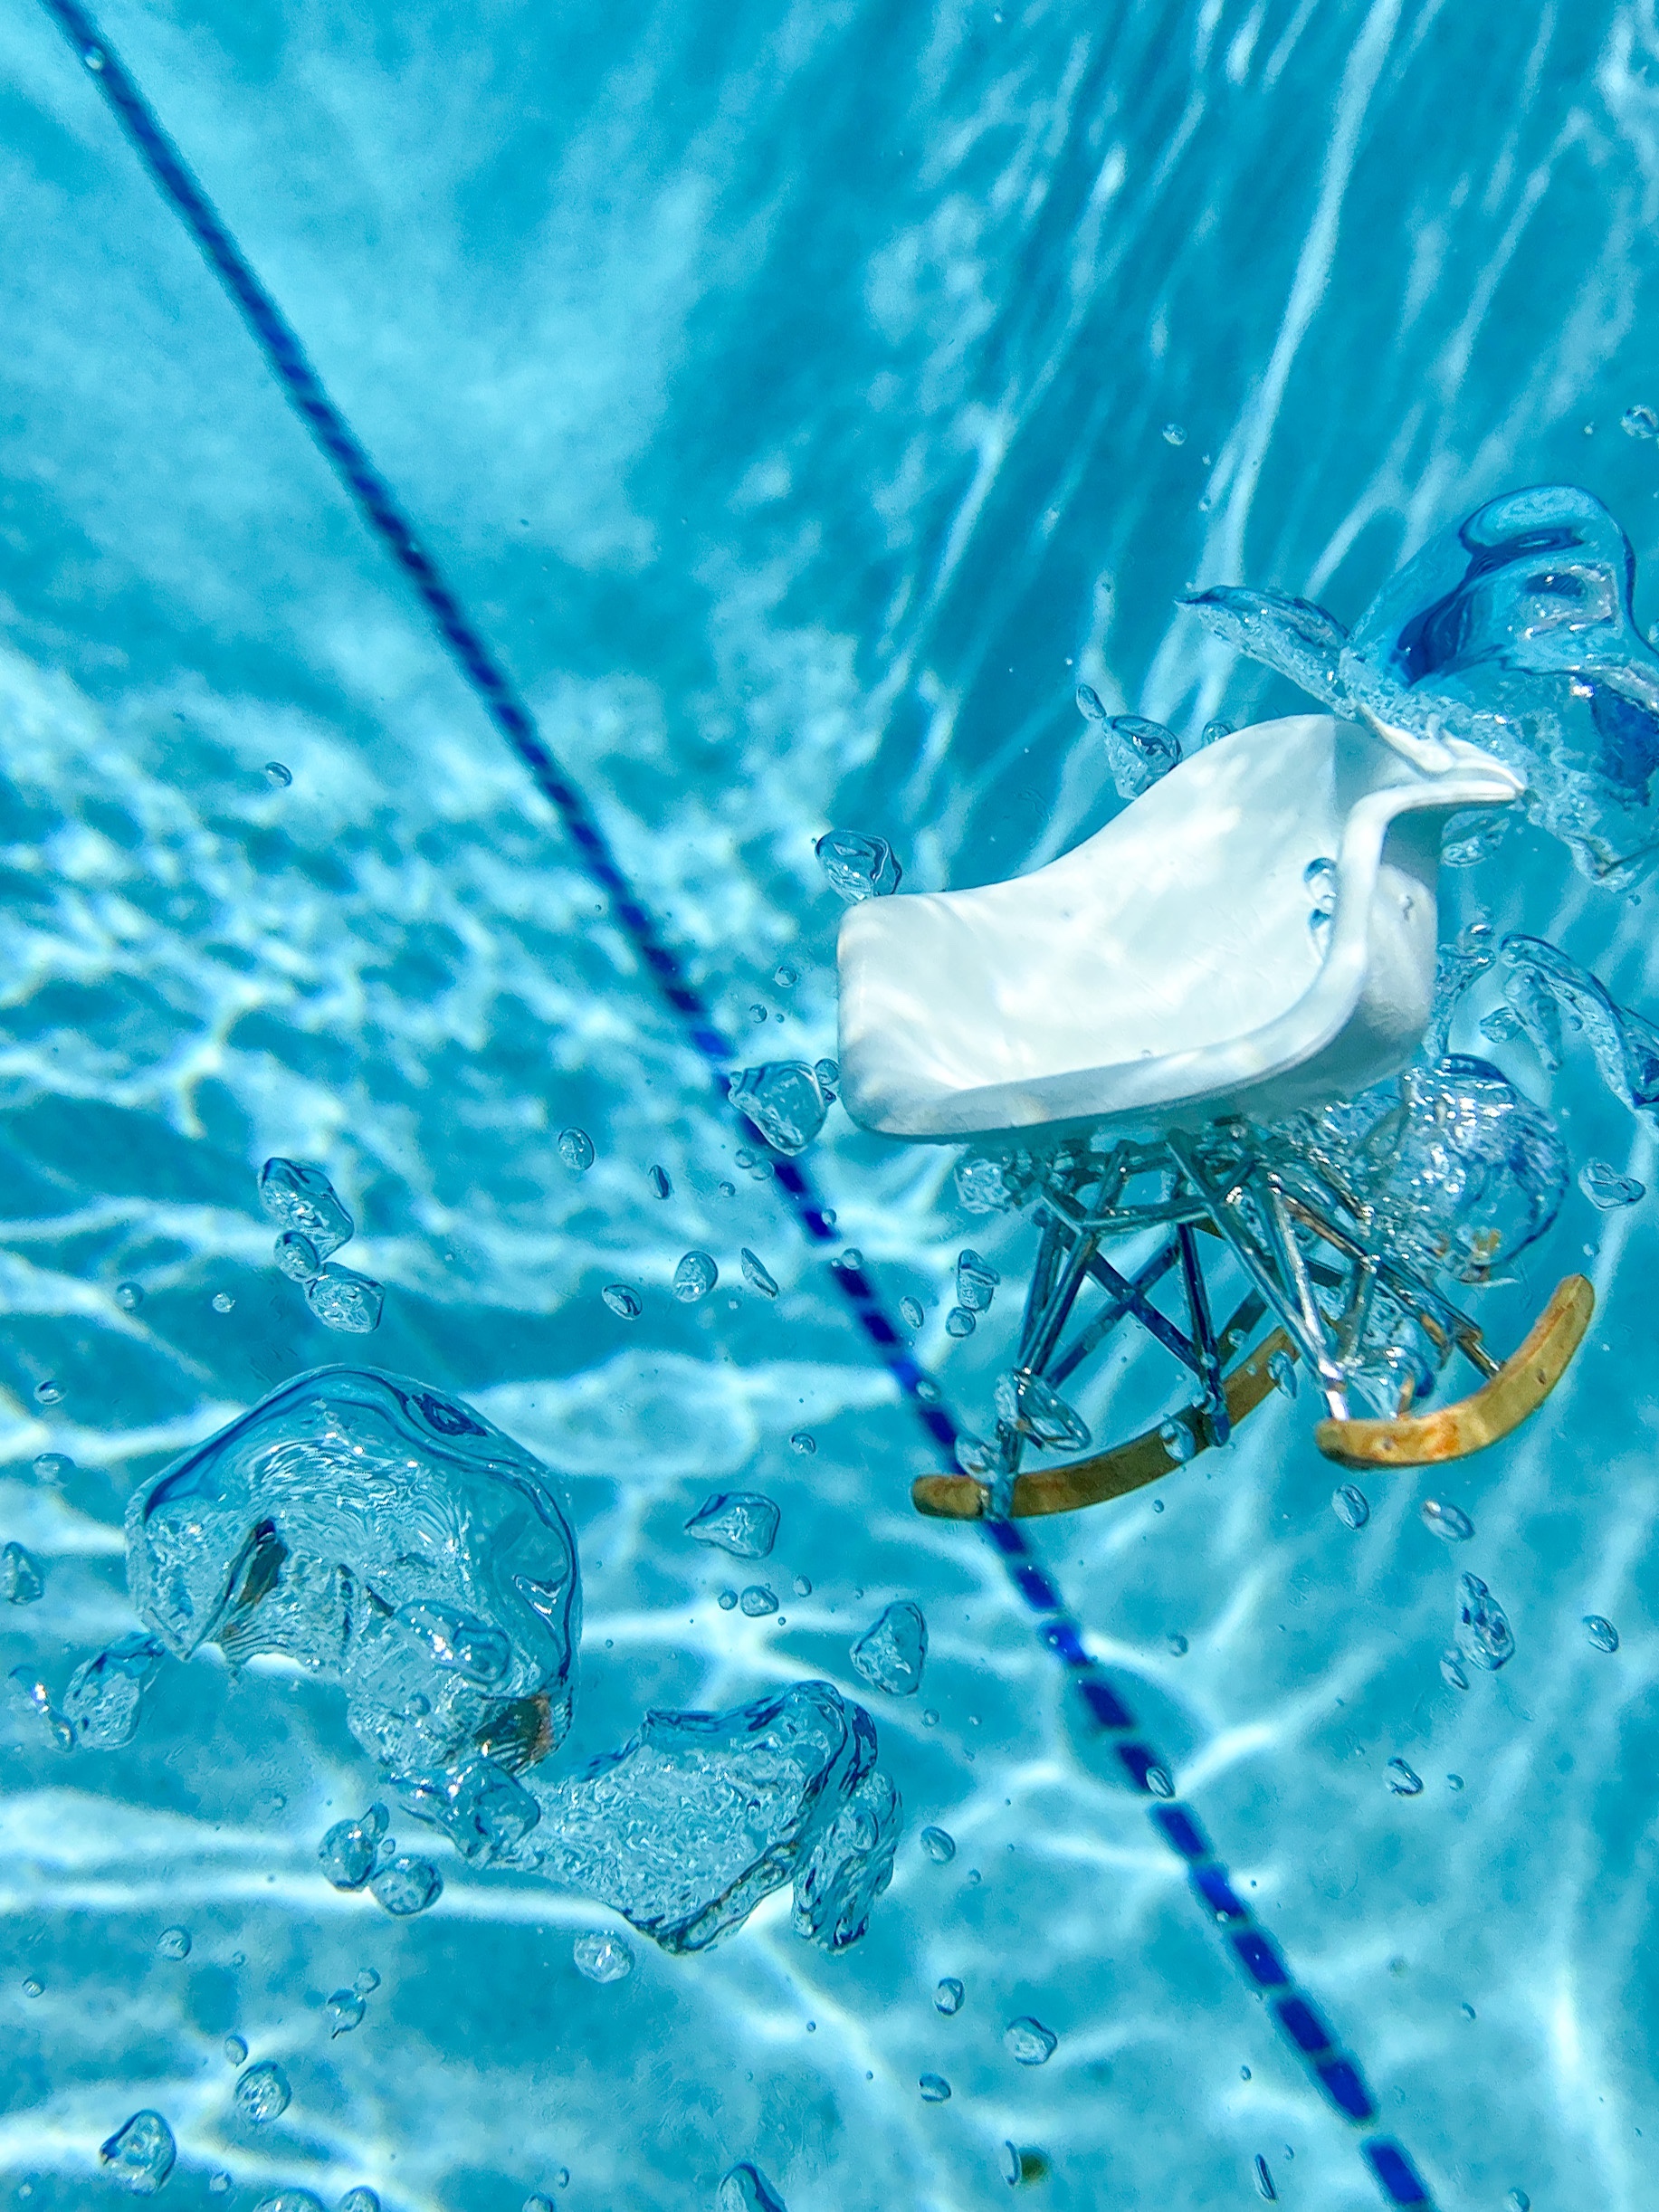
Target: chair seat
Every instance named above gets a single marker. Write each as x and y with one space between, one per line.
1165 971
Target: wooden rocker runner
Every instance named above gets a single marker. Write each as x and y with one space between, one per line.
1139 1038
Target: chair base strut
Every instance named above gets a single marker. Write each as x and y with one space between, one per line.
1347 1308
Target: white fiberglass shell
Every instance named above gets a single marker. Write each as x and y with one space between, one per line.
1165 970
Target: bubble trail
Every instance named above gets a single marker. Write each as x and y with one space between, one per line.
1336 2076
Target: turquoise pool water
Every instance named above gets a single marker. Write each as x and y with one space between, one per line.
802 401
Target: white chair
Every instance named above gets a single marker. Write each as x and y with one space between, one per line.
1165 972
1167 981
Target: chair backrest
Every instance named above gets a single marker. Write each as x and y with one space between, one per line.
1165 970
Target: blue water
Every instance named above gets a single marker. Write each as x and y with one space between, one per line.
785 391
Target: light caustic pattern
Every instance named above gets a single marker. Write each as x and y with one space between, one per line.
754 602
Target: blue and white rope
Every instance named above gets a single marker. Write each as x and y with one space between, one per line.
1336 2073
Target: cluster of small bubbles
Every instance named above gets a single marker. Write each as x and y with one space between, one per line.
802 1587
911 1307
756 1274
661 1185
621 1301
754 1165
948 1997
1282 1372
1449 1522
48 1393
694 1278
173 1943
939 1846
935 2089
1402 1780
222 1302
603 1957
279 773
576 1148
758 1600
129 1296
1601 1633
22 1583
803 1440
262 2093
405 1885
1029 2043
141 2154
1350 1505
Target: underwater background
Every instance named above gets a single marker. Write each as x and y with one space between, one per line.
803 400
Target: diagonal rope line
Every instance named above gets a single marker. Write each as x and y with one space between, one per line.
1335 2073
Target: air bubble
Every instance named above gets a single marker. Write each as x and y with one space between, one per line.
262 2094
1449 1522
603 1957
1029 2043
576 1148
694 1278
